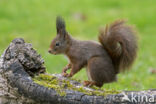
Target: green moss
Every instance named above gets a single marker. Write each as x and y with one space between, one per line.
50 82
60 86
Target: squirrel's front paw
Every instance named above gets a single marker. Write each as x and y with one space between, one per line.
66 75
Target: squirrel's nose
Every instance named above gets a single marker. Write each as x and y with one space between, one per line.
49 50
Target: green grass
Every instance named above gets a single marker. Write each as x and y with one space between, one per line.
34 20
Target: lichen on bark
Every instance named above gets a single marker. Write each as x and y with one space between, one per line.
60 84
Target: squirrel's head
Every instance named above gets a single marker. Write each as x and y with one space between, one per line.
60 43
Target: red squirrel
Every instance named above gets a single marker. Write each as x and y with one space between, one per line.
115 52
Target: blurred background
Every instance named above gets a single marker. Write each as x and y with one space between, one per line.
34 20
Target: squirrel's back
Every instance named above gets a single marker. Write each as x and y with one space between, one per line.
87 49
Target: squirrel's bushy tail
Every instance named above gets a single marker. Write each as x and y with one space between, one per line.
120 42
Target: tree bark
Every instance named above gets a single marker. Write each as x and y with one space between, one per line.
20 62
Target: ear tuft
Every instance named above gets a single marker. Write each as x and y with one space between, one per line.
60 24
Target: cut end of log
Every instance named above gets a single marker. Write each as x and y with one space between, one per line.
24 53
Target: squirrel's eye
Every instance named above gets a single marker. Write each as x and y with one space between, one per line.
57 44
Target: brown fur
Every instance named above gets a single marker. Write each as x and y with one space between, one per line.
103 61
120 42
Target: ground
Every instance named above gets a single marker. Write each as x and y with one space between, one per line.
34 20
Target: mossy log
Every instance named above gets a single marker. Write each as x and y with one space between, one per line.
19 66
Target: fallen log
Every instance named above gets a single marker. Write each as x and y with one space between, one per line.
23 80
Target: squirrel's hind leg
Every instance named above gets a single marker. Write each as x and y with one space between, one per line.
91 83
100 71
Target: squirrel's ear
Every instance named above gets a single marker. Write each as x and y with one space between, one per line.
60 26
